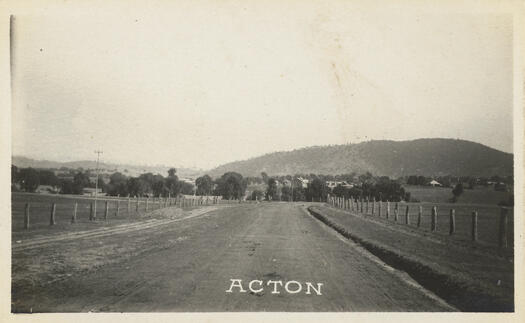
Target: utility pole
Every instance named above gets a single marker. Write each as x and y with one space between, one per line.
98 152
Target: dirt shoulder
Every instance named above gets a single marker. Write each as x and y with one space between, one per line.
469 276
40 261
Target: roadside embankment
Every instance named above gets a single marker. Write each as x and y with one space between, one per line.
470 277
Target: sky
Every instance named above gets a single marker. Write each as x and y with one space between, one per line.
194 85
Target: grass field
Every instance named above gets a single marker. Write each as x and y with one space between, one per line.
478 195
473 276
488 219
40 212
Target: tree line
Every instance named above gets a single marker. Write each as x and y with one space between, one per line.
381 188
231 185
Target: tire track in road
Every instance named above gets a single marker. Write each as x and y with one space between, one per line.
214 256
101 232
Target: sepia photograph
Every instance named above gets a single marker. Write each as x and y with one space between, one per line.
264 156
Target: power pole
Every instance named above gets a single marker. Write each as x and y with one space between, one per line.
98 152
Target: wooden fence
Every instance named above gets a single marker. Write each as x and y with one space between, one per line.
416 215
70 210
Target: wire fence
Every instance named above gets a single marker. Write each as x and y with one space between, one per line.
30 211
475 222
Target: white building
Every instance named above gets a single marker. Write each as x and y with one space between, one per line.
304 182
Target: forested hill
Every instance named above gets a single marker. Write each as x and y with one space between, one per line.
427 157
127 169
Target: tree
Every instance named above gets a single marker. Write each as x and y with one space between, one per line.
265 177
388 189
101 184
14 174
457 191
298 193
47 177
80 181
286 193
412 180
340 191
366 178
136 186
173 185
29 179
67 187
231 185
147 181
204 185
422 180
117 184
271 190
158 186
257 195
186 188
317 190
171 172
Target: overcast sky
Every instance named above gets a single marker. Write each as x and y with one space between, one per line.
198 86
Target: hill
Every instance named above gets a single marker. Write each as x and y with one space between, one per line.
127 169
427 157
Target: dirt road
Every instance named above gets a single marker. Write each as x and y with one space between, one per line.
264 242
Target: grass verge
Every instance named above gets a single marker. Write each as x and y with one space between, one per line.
467 277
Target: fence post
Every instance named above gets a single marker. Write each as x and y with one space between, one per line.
374 206
118 208
407 216
474 231
74 218
433 220
137 208
361 200
91 216
396 211
387 209
419 215
52 218
379 207
129 205
452 222
502 237
26 217
147 202
106 211
367 203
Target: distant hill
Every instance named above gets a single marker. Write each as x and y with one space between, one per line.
127 169
427 157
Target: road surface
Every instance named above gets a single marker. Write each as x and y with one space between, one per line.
264 242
